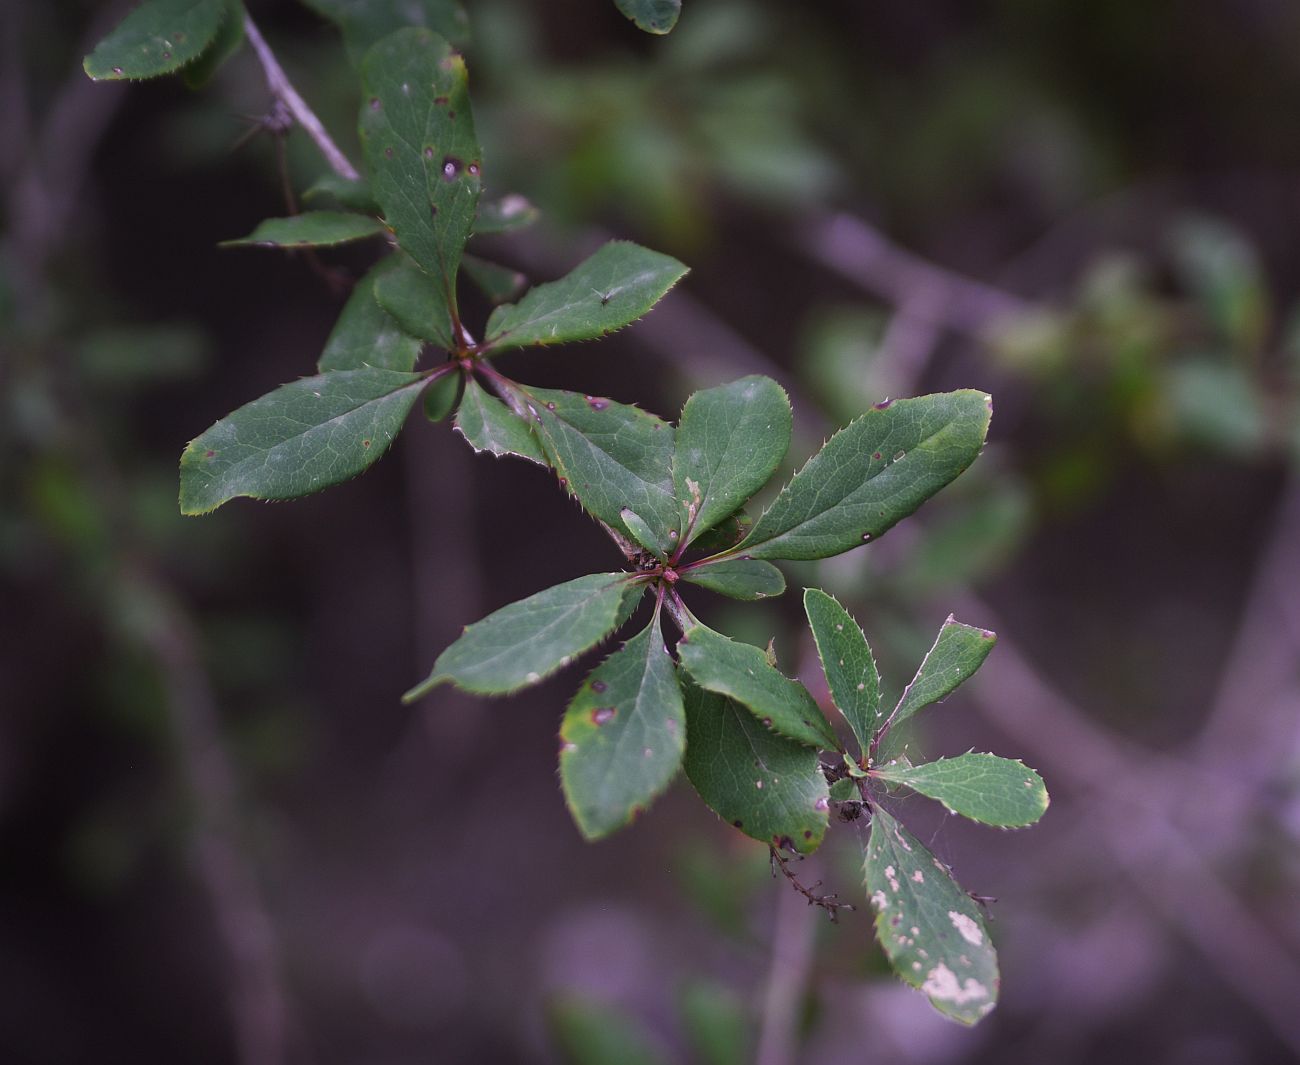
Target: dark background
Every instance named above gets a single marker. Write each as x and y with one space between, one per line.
221 836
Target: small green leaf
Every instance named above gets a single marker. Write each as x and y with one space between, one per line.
739 578
365 334
229 39
730 440
742 672
366 22
957 653
351 195
498 283
613 288
872 474
653 16
725 535
931 930
440 397
623 735
158 37
489 425
983 787
525 642
505 215
412 298
847 662
312 229
595 1033
301 438
769 787
641 532
611 456
421 151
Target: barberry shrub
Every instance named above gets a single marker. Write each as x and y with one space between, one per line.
674 499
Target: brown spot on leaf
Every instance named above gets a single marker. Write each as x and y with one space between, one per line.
602 714
598 686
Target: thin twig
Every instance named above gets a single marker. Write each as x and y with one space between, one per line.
787 981
862 254
830 903
282 88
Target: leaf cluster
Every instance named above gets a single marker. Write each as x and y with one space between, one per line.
676 499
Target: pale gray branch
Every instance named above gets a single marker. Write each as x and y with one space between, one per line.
282 89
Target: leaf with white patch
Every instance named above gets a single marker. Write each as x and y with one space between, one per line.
931 930
983 787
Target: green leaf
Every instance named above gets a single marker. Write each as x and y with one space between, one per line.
730 440
301 438
641 532
440 397
847 662
726 534
366 22
591 1033
312 229
489 425
613 288
741 671
611 456
767 786
365 334
229 39
653 16
505 215
623 735
412 298
523 643
421 151
739 578
158 37
872 474
498 283
983 787
931 930
957 653
351 195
